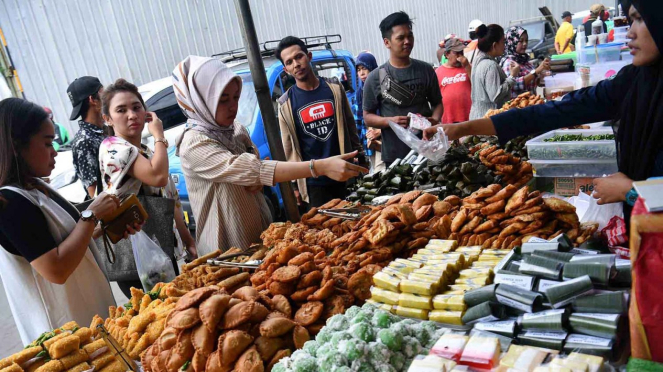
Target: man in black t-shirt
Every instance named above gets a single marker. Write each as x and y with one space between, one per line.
316 121
412 75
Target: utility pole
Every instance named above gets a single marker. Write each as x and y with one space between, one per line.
261 86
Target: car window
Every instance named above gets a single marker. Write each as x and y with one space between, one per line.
164 104
247 101
534 30
549 29
335 68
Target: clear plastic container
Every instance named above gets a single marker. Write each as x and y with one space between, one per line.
573 168
609 52
538 149
621 39
606 53
621 30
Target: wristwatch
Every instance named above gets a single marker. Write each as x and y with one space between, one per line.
534 73
88 215
631 197
162 140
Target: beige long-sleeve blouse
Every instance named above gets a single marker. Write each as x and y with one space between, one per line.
227 214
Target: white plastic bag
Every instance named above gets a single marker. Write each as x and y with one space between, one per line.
589 211
418 122
433 150
152 263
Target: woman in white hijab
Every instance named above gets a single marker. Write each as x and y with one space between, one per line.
223 171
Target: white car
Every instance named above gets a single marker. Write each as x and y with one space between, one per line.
63 178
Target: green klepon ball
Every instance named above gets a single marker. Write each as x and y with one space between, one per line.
377 351
362 365
421 333
353 349
324 350
305 364
363 331
382 319
278 367
362 317
384 366
311 347
411 347
329 361
393 340
338 337
337 322
324 336
397 360
352 311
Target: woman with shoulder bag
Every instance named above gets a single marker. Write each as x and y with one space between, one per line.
47 264
129 167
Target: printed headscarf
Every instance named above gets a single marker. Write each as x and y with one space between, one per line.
198 83
512 36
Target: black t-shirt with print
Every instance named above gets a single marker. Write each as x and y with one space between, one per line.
420 78
23 227
315 122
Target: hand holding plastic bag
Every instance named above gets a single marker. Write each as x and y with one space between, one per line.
418 122
152 263
433 150
593 212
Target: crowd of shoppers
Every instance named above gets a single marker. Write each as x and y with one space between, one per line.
325 146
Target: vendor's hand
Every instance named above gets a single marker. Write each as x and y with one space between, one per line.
544 66
253 189
515 69
132 230
453 131
433 121
339 168
403 121
463 60
612 189
104 205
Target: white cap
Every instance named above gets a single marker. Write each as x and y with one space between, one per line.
474 24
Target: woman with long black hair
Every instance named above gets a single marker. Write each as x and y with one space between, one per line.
634 98
47 264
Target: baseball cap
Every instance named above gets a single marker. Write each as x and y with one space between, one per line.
79 90
596 9
454 44
474 24
567 14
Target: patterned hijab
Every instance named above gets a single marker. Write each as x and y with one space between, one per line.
199 82
513 35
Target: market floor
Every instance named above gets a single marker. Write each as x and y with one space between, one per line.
11 341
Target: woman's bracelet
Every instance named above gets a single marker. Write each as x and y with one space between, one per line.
311 167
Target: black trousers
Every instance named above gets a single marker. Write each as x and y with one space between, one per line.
319 195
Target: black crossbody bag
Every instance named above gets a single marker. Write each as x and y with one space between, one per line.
393 91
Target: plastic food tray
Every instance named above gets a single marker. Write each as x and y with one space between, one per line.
573 168
538 149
